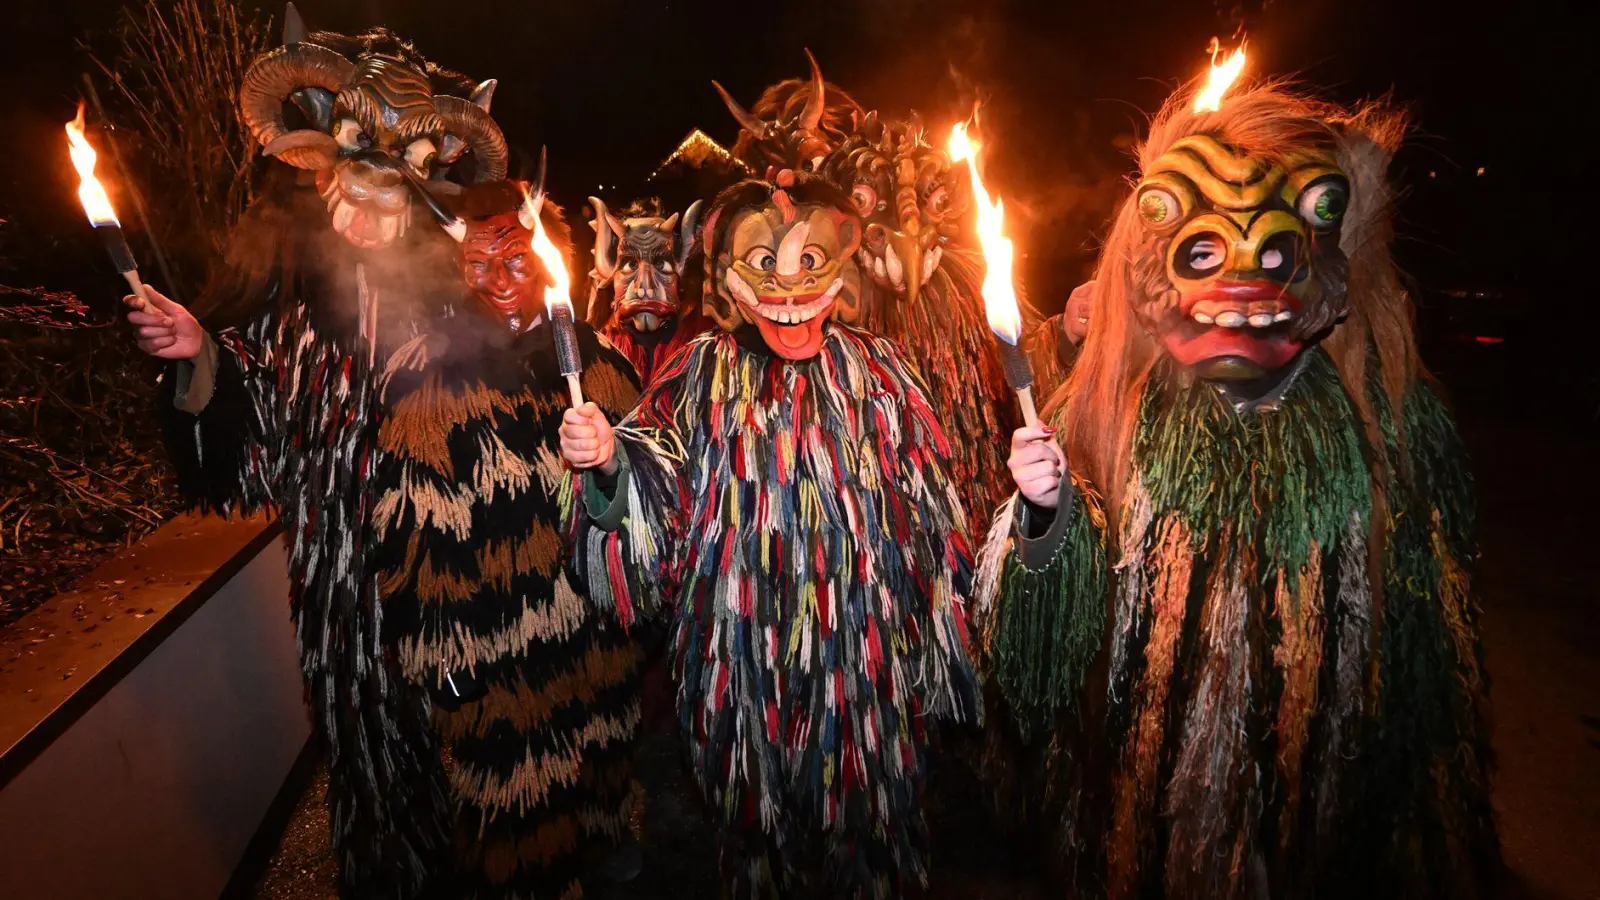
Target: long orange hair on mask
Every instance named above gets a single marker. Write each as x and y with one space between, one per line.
1097 408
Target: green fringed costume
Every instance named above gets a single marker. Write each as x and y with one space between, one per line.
1262 710
1259 673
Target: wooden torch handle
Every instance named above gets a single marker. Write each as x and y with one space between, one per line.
1030 416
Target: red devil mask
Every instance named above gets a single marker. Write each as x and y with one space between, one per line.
499 264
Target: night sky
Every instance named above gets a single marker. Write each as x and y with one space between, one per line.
611 86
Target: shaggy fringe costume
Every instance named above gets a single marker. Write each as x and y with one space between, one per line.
474 594
1256 662
797 521
291 426
280 409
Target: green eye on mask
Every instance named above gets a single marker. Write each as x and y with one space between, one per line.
1323 203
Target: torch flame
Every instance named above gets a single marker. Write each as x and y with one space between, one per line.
90 192
999 294
559 291
1219 79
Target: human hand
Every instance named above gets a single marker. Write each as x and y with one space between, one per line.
167 331
1037 465
587 441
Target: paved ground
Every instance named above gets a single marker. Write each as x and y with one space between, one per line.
1540 586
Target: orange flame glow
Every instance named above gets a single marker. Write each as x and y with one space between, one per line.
90 192
1219 79
559 291
999 253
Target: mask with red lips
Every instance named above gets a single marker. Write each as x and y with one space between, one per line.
778 255
505 275
1252 271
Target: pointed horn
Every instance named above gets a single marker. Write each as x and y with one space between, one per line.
748 122
530 210
605 241
294 27
484 93
688 232
811 116
544 167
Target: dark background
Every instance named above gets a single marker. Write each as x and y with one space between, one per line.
1501 263
612 85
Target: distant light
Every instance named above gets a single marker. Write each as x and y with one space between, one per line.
1480 171
1485 339
1433 174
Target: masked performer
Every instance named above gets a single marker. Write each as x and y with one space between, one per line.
921 271
643 297
275 404
1245 619
781 493
535 693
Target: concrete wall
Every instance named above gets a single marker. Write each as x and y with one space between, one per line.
154 790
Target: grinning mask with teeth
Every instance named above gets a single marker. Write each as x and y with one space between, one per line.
642 257
777 257
505 275
498 263
909 200
1252 273
375 123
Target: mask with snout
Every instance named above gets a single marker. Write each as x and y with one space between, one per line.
642 257
375 132
910 199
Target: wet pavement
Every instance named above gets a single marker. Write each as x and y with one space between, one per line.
1539 582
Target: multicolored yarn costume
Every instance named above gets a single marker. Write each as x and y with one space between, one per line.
539 747
1256 665
796 521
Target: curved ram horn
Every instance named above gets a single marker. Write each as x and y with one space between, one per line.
467 121
748 122
687 232
304 149
275 76
811 116
605 241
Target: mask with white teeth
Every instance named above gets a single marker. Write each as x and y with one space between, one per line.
910 200
780 262
1251 270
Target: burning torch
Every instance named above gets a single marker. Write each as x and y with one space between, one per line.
557 294
98 207
999 292
1220 78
